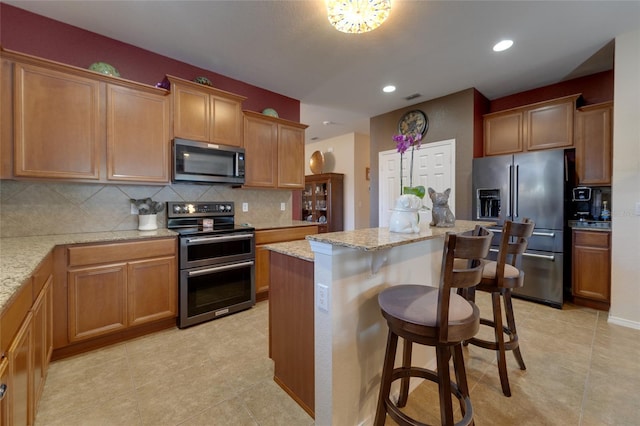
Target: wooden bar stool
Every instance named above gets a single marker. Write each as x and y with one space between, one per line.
499 278
435 317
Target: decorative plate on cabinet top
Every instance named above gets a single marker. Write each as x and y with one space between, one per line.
316 162
270 112
203 80
104 68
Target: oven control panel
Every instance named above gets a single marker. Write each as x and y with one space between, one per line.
212 208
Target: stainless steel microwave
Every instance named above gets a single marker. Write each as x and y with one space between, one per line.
202 162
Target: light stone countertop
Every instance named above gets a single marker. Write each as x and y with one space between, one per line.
372 239
369 239
20 256
265 224
299 248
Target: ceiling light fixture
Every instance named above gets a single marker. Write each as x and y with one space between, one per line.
357 16
388 89
502 45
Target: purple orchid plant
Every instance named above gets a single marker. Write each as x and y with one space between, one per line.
403 143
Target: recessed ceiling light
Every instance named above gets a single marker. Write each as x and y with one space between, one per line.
389 89
502 45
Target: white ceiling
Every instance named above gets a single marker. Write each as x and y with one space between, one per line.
433 48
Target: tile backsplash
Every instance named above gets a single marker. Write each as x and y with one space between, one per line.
45 208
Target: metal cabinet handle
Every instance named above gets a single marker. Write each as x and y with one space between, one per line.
220 239
3 391
220 268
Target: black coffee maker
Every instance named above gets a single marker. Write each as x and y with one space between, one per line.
582 202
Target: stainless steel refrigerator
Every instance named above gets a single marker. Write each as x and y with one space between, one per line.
529 185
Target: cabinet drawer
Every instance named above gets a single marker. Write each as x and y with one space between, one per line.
15 313
284 234
591 238
116 252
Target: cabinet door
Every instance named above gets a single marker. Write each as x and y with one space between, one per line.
5 391
191 113
42 338
20 371
57 119
97 301
137 135
550 126
262 272
503 133
593 144
152 290
591 265
227 121
290 157
261 150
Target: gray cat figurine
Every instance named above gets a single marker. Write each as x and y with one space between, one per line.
441 213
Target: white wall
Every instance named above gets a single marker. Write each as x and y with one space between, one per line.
347 154
625 188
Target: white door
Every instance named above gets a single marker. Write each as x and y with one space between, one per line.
433 167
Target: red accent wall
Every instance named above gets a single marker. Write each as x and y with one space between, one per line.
595 88
36 35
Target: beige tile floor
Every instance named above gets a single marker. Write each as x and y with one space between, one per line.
580 371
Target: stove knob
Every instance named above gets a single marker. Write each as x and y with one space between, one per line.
176 209
228 207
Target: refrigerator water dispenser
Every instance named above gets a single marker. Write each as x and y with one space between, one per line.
488 203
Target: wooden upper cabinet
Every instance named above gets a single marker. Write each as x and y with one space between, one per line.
550 125
274 150
290 156
206 114
56 124
503 133
261 152
544 125
593 135
138 145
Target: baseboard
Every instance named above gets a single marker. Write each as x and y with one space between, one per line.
623 322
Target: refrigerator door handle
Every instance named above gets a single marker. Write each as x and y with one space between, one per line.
544 234
516 196
510 191
539 256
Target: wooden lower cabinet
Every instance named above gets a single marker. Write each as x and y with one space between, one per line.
591 269
136 284
5 391
42 339
20 357
271 236
291 328
97 301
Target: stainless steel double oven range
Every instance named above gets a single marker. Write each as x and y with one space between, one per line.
216 261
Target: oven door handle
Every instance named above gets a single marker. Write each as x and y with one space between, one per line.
220 268
221 239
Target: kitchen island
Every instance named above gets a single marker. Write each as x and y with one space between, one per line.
350 268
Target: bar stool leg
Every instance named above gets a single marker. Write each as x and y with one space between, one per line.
443 354
404 382
461 375
385 382
511 323
500 347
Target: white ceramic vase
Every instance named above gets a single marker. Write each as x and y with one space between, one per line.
147 222
404 216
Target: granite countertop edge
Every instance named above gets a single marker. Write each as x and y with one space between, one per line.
372 239
369 239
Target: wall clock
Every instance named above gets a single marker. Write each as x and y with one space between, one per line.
413 122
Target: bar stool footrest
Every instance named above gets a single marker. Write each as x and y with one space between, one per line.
402 419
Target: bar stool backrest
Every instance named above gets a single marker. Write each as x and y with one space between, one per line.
515 237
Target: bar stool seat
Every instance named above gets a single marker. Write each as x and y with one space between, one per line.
438 317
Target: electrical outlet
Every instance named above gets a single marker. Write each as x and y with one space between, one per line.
637 208
323 297
245 207
283 206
